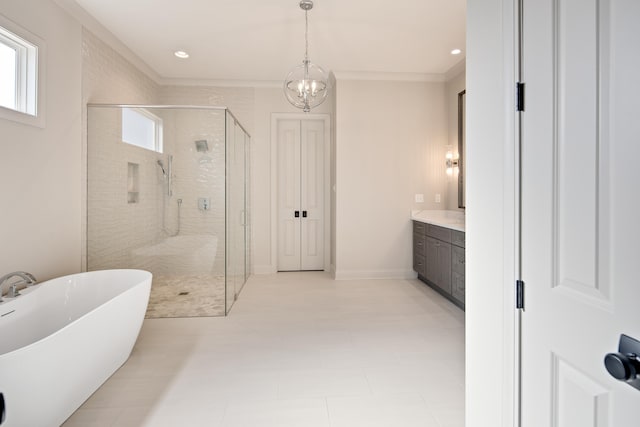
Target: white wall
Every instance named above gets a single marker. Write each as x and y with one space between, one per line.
454 86
40 169
390 140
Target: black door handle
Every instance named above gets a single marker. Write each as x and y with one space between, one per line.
296 214
304 214
2 411
625 365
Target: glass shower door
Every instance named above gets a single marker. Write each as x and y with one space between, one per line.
236 210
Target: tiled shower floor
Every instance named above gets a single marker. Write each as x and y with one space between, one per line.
186 296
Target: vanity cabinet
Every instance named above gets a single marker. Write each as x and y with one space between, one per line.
438 258
438 265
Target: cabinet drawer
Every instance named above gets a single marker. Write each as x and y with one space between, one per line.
457 259
419 228
457 238
419 264
418 244
439 233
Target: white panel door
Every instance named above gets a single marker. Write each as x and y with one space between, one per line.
312 197
301 195
580 204
289 216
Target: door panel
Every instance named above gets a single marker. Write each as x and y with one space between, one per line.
578 192
312 197
288 195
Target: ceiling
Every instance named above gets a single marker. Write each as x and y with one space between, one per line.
261 40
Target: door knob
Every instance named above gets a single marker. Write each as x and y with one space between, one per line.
625 364
623 367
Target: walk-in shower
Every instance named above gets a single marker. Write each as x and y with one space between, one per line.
167 192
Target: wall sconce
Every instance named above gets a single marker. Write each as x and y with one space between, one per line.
451 163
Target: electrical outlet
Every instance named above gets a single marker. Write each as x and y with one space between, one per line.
419 198
437 197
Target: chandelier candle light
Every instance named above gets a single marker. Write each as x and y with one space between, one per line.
306 86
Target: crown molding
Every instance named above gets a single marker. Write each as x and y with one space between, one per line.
169 81
389 76
456 70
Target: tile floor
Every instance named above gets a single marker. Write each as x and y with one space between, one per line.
197 295
297 350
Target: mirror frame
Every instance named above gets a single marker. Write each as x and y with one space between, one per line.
461 148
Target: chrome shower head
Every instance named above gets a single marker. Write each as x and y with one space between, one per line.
162 167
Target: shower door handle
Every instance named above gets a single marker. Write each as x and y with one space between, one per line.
296 214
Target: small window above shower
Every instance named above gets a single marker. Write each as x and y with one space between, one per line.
142 128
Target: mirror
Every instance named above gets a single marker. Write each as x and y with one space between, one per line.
461 148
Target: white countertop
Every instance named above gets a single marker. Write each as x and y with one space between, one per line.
448 219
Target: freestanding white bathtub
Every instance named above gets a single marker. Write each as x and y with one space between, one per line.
62 339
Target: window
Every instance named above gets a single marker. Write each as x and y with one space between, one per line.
18 73
142 129
22 91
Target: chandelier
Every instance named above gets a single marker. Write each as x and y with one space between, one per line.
306 86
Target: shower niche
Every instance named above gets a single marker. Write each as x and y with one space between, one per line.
184 215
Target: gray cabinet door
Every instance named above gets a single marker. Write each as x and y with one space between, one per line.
457 273
438 263
457 286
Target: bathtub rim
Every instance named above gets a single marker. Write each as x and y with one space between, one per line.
147 277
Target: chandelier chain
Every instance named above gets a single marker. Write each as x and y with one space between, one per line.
306 36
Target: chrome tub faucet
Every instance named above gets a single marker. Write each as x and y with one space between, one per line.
28 279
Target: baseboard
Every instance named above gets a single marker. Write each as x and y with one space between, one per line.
374 274
264 269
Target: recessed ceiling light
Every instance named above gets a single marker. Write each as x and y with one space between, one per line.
456 52
181 54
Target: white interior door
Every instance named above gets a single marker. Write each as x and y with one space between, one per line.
580 206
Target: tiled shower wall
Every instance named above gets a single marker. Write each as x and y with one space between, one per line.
108 78
239 100
198 175
124 233
116 226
